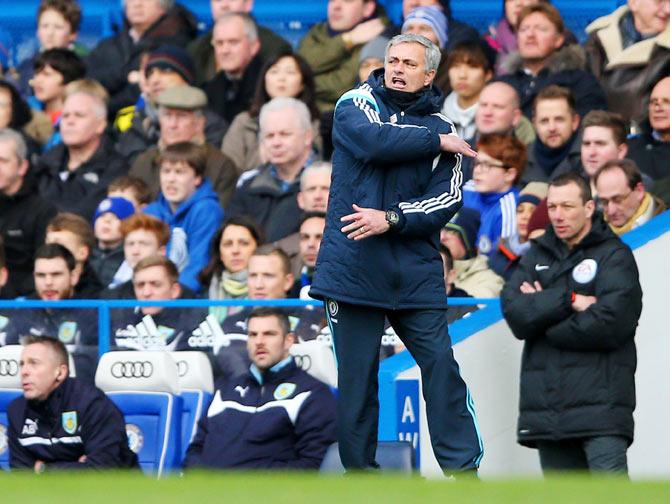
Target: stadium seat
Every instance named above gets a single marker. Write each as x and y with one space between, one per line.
317 359
145 387
196 383
392 456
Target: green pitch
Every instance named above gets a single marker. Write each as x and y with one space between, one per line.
115 488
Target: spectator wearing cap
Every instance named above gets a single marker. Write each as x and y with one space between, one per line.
115 61
161 69
505 259
538 222
371 57
74 174
457 31
202 51
236 46
107 255
182 118
473 274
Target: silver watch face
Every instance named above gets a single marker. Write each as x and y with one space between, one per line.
392 217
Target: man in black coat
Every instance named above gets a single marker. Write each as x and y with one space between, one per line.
61 422
575 301
23 214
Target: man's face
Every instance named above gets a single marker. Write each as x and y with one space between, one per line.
554 122
179 125
154 284
538 37
650 16
490 175
343 15
48 84
41 372
618 200
143 13
418 28
659 106
497 112
311 233
70 241
283 138
81 123
266 278
139 244
233 51
12 170
467 80
313 195
53 280
54 31
178 181
267 344
405 69
237 245
221 7
598 147
409 5
452 240
569 215
160 79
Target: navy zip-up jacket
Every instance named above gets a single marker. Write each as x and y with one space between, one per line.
281 419
76 419
388 158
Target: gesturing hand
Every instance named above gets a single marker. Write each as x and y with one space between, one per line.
452 143
364 223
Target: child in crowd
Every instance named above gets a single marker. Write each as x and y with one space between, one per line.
131 188
189 205
470 67
107 255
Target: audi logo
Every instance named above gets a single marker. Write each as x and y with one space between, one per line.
182 368
304 362
132 369
9 367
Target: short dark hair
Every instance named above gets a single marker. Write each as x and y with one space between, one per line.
158 260
627 166
279 252
188 153
136 184
473 53
444 250
75 224
54 344
271 311
21 113
69 9
606 119
311 215
554 92
573 177
64 61
55 251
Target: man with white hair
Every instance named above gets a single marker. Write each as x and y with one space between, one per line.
269 193
115 61
236 46
74 175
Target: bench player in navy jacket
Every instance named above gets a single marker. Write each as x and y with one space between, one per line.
62 422
395 184
275 416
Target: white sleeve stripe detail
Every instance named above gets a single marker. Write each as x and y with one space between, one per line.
36 440
444 200
508 212
374 118
292 406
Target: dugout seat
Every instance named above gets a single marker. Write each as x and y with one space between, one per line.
145 387
318 359
196 382
392 456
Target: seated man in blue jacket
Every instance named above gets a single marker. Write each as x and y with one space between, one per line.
62 422
275 416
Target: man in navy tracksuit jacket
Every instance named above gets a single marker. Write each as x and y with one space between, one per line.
275 416
61 422
392 168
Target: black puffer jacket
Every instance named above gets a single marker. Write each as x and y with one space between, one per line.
577 369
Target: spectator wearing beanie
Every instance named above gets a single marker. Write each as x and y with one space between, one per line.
537 225
507 255
164 68
372 57
107 255
473 274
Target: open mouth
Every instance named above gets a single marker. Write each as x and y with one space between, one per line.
398 82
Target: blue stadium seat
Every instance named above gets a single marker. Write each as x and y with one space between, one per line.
392 456
10 389
145 387
196 382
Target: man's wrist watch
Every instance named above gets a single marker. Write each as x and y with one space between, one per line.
392 218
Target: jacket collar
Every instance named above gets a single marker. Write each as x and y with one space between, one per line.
430 101
279 371
600 232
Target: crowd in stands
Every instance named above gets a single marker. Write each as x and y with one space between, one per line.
166 164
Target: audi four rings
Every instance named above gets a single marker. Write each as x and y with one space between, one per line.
132 369
304 362
9 367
